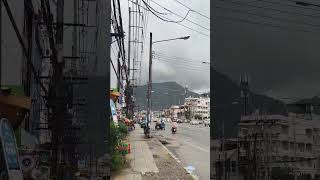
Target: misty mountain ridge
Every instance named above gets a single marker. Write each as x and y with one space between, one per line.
163 95
227 105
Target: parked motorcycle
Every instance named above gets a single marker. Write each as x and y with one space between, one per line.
173 130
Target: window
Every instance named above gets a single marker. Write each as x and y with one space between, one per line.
233 166
244 131
292 146
309 133
284 129
285 145
301 147
309 148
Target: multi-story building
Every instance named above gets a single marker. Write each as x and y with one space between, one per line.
287 143
198 107
274 146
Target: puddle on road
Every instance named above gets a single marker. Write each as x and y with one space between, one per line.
190 169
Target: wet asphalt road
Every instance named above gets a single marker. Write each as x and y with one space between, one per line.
191 146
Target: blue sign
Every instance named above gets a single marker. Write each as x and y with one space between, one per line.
113 110
9 146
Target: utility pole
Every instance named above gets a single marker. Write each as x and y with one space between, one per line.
1 43
149 85
129 42
58 105
295 150
119 73
128 88
74 37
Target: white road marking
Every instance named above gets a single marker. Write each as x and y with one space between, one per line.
195 146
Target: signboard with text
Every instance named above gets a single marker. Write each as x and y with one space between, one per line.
113 111
10 151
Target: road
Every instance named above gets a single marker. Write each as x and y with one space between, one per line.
191 146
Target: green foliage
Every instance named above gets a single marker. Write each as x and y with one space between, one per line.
117 134
117 161
16 90
123 129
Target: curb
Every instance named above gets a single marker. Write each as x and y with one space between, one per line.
177 159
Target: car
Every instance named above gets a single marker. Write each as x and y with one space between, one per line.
207 123
194 122
179 121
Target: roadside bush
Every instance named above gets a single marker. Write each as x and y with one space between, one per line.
123 130
117 134
117 161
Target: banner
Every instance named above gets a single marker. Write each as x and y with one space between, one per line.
113 111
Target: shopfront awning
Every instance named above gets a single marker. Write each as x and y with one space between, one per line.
14 108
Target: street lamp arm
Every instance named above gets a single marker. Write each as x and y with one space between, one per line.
184 38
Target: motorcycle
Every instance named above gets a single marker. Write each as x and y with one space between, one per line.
147 132
160 126
173 130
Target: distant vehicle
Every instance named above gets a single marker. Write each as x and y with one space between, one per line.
179 121
207 122
194 122
143 123
160 126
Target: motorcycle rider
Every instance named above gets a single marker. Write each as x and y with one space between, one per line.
163 124
174 126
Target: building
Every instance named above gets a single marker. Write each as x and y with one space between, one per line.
198 108
287 144
275 146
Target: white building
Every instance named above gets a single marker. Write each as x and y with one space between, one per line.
198 106
282 142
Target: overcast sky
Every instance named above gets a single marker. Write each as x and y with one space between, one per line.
267 40
181 60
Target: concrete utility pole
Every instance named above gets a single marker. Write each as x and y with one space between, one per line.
149 85
74 38
129 43
1 43
119 73
58 108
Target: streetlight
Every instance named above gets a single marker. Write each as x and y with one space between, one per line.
150 76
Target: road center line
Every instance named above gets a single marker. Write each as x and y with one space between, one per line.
195 146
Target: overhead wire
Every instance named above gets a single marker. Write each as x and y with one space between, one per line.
180 15
192 9
265 16
176 61
175 57
169 20
270 8
163 19
266 24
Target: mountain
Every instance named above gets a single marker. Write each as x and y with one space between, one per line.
164 95
227 105
303 105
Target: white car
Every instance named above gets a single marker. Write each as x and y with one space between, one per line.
193 122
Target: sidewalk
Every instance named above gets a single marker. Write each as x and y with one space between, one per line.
149 160
141 159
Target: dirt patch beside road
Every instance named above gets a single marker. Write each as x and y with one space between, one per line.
168 167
